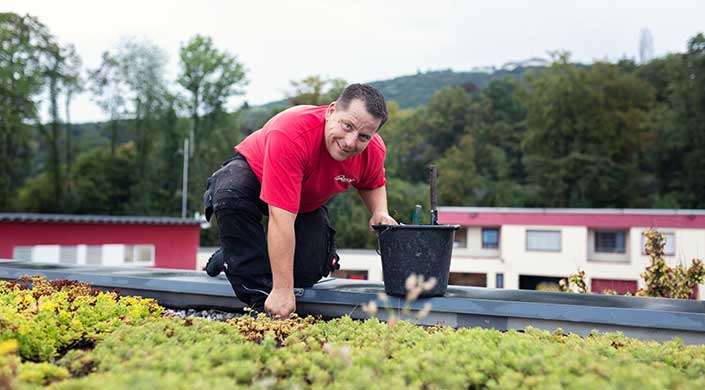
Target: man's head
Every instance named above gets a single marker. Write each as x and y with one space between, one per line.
353 119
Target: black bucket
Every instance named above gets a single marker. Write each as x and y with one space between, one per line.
415 249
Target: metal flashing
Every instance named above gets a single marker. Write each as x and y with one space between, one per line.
657 319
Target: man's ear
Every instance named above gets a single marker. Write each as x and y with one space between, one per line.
330 110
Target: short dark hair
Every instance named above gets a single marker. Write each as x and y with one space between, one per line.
373 99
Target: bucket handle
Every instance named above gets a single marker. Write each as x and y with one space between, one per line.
379 248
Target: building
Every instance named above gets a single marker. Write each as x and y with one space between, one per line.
495 247
526 248
100 240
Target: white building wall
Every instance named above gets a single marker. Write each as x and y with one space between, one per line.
512 259
362 260
519 261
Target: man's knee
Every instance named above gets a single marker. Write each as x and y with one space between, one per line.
243 241
316 253
251 289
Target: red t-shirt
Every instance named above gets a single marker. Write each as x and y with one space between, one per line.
291 161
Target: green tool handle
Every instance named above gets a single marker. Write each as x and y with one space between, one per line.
416 216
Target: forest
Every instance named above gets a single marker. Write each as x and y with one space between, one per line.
607 134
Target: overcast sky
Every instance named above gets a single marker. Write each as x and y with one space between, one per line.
362 41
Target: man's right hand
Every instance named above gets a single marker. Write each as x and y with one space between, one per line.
280 303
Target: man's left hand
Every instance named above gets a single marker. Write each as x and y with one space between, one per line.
381 218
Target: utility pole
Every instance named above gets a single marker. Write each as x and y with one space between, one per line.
184 184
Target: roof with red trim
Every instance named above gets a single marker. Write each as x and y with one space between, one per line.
95 219
598 218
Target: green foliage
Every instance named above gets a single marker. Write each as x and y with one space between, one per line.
104 181
677 151
343 353
109 92
315 90
664 281
584 135
660 279
24 42
258 352
41 374
416 140
211 77
574 283
54 315
416 90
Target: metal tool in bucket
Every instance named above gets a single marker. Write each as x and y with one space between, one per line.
417 249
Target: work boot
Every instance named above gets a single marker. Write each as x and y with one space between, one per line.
214 266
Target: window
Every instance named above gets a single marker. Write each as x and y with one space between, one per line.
543 240
669 249
22 253
139 254
610 241
490 238
94 255
621 287
467 279
461 238
499 280
68 254
349 274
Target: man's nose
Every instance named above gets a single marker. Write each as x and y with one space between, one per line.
350 140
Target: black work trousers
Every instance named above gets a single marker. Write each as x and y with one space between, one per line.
233 195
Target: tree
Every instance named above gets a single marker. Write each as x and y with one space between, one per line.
585 135
458 182
104 180
315 90
499 131
423 135
103 183
211 77
141 67
73 83
109 89
62 73
677 151
23 39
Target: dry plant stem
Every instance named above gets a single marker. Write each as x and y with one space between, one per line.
415 286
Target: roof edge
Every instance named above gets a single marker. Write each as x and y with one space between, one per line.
537 210
96 219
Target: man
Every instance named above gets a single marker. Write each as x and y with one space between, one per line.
288 170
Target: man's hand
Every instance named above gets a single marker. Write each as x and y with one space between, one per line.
281 240
381 218
280 303
376 202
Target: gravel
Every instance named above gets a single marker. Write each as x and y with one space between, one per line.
213 315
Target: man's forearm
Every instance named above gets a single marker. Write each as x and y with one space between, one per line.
375 200
281 241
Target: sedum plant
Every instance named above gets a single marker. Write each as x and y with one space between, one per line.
49 317
660 279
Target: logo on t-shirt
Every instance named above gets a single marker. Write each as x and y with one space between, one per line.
344 179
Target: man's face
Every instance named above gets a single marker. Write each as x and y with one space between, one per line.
348 132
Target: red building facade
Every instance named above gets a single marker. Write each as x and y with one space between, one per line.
159 242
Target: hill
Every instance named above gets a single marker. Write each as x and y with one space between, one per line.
408 91
416 90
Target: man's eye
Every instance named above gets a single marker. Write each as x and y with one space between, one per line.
365 137
347 126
